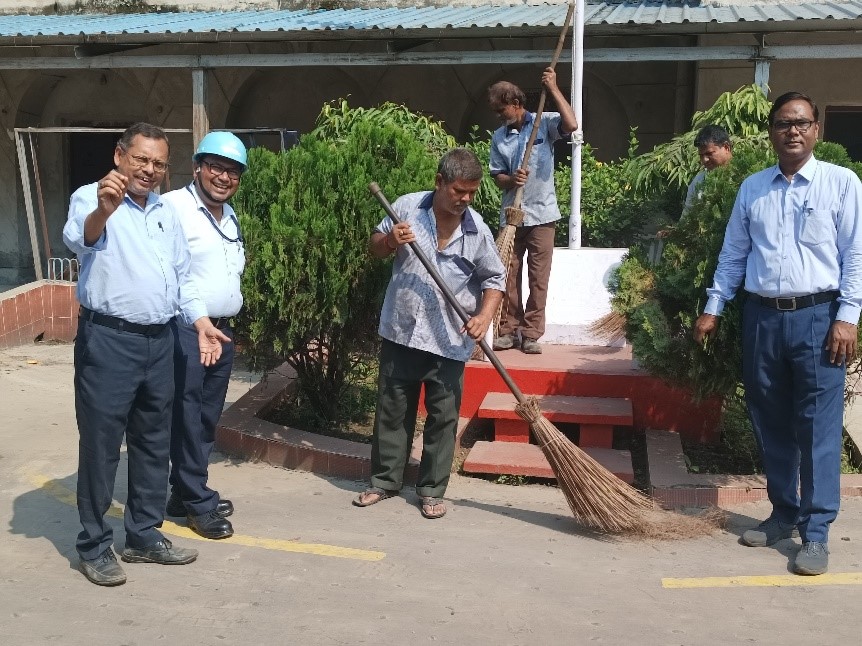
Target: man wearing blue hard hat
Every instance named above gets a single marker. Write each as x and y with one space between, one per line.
218 259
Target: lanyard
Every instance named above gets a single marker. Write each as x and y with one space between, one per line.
215 224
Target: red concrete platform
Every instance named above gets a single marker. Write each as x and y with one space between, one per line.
509 458
592 371
597 416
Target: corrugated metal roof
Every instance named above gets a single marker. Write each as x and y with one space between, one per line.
644 12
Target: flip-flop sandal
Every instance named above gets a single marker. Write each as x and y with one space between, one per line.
429 502
382 494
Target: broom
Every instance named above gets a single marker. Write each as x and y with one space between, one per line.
597 498
514 215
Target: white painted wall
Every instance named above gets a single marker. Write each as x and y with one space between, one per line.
578 294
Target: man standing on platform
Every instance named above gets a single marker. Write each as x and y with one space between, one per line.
134 278
218 258
535 237
795 238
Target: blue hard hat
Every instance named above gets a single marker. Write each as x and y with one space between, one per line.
223 144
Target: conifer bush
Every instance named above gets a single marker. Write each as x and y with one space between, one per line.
312 291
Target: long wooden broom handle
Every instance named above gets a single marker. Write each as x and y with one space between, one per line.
450 297
519 194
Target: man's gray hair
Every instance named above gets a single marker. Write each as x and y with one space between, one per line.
146 130
460 164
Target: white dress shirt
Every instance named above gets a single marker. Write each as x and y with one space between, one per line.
218 255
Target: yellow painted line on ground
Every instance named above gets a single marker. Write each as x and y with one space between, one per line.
775 581
68 497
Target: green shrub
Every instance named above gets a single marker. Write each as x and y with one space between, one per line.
613 213
312 291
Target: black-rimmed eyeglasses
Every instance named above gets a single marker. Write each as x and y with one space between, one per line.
218 169
802 126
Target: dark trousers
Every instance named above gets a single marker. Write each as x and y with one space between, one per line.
795 398
199 397
403 372
537 242
124 384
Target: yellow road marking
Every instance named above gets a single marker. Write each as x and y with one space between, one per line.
68 497
776 581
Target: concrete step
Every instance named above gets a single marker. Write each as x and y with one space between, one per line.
591 371
597 416
510 458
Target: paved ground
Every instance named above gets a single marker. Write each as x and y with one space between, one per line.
505 566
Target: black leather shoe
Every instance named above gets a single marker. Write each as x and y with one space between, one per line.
176 508
210 525
104 569
224 508
163 553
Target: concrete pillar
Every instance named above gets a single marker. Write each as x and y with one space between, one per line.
761 75
200 113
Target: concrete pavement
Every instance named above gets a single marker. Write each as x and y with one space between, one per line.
505 566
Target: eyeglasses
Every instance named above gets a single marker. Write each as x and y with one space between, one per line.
139 161
802 126
218 169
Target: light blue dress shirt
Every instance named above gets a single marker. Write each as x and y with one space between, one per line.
508 145
794 238
415 313
138 270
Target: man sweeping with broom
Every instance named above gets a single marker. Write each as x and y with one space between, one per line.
424 342
535 237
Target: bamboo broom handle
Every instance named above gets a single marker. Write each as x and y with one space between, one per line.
450 297
519 194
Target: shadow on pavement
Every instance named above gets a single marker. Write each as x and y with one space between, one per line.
49 511
557 522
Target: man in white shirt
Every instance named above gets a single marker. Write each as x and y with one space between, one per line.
794 239
217 262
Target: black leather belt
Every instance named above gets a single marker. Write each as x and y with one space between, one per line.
123 325
221 322
792 303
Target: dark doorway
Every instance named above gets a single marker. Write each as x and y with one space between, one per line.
843 125
91 156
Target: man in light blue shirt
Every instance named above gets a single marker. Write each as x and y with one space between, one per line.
134 277
535 237
795 239
425 345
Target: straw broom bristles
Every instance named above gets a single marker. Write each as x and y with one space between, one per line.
609 328
600 500
597 498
